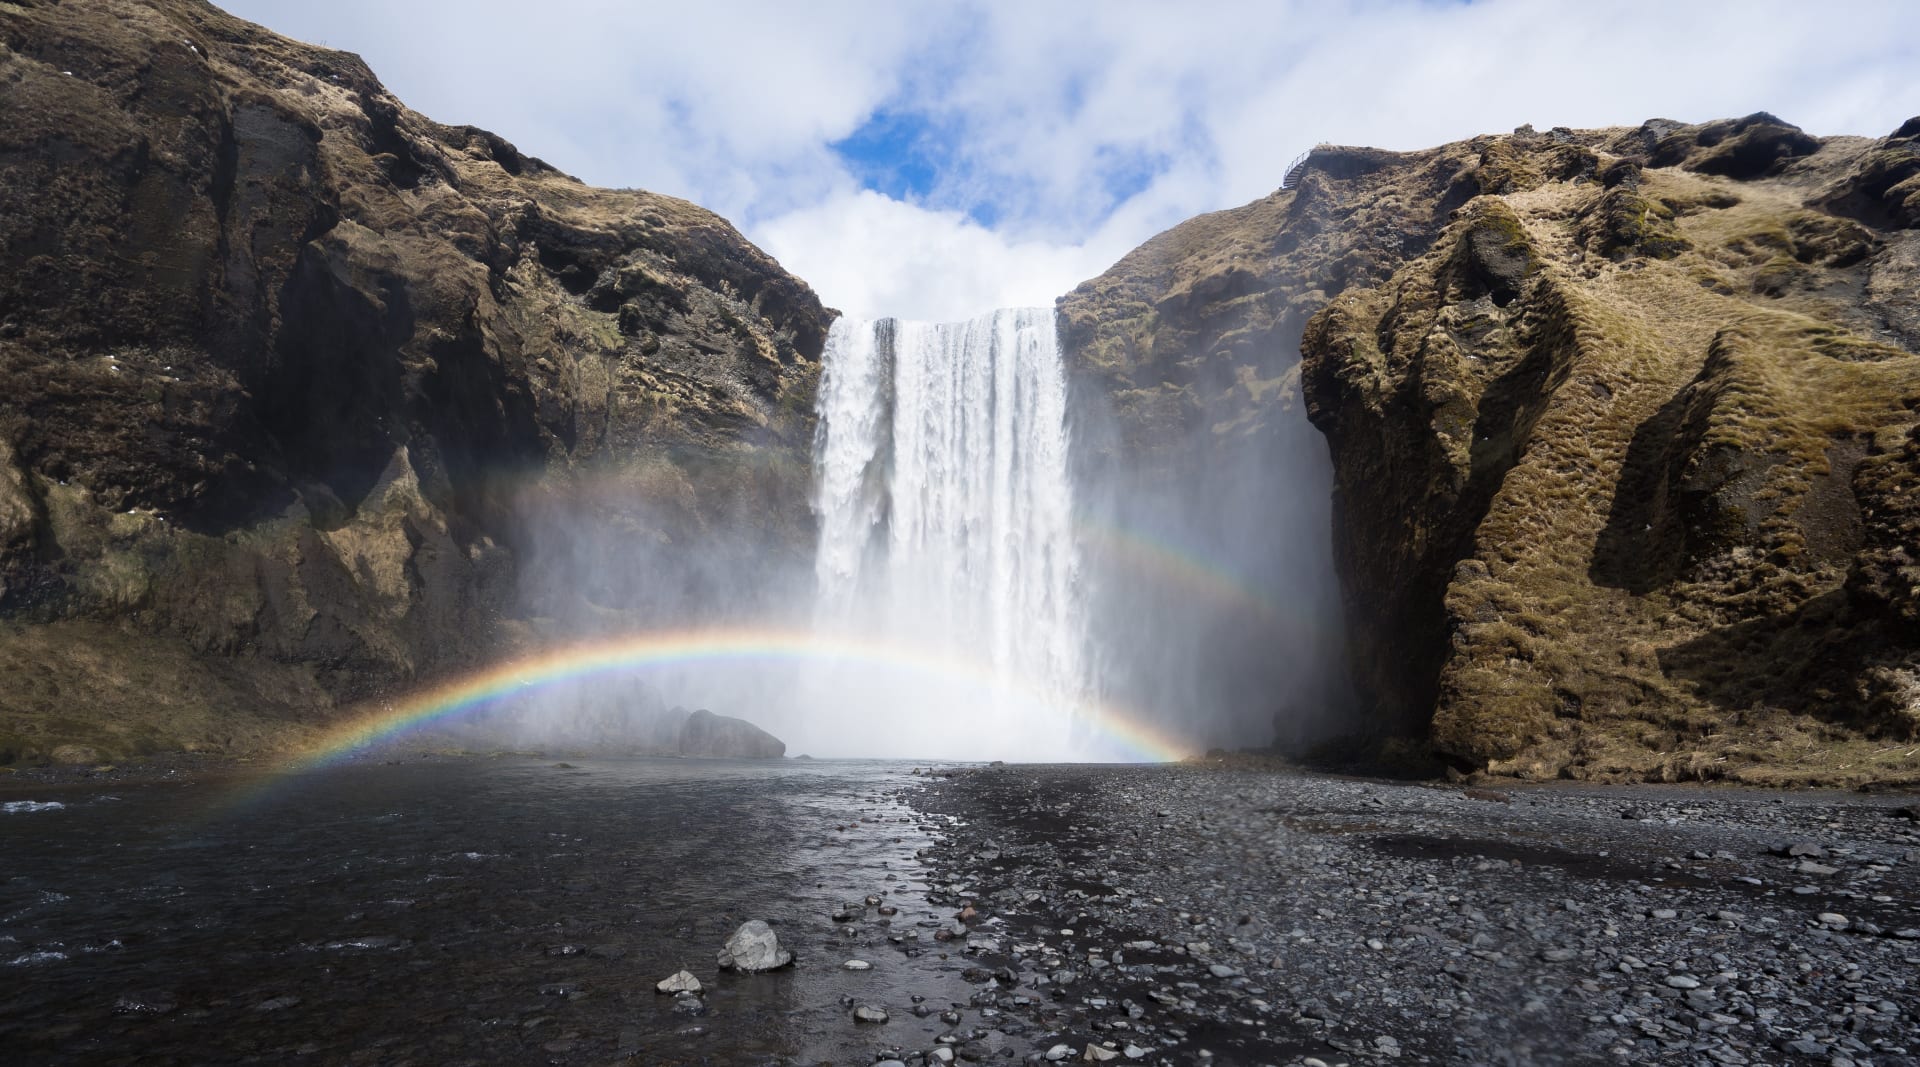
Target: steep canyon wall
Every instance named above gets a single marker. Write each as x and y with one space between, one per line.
1621 426
304 396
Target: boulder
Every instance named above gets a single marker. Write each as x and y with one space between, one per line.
724 737
754 947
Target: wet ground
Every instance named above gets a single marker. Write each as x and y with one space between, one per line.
457 911
448 911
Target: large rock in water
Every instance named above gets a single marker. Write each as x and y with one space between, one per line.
754 947
721 736
606 716
295 383
1624 426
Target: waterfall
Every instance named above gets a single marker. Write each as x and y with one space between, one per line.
946 525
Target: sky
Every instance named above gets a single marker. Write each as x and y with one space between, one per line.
938 160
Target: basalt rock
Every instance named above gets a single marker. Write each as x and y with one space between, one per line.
292 379
702 733
1622 424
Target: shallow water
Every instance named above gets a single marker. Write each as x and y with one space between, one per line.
448 911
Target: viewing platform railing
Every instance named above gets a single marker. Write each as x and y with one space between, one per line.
1291 177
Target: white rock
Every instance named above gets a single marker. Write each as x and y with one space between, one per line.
679 982
857 965
1059 1052
754 947
1099 1054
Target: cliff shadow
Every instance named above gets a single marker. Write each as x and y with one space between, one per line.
1809 661
1642 546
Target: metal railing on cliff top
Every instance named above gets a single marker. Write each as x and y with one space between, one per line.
1298 167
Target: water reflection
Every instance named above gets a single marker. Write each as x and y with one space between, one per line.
458 911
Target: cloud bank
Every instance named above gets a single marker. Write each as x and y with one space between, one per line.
936 161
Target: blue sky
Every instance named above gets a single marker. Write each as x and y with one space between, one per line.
936 160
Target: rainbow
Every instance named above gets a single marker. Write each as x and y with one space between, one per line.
1114 730
1198 575
1137 552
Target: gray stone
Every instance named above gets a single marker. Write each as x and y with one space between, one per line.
866 1014
754 947
678 982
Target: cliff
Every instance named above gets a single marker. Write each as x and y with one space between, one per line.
1624 428
294 382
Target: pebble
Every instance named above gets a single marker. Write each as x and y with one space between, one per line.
1180 939
867 1014
857 965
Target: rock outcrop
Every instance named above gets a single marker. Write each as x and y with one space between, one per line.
704 734
1622 425
293 381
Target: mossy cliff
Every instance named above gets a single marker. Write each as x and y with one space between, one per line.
1624 425
288 372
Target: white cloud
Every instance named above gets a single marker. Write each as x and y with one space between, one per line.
1081 129
873 256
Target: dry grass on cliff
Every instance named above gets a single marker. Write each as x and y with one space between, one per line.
1545 675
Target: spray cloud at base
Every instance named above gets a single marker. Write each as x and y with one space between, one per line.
971 568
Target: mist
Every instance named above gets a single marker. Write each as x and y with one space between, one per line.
1215 606
973 565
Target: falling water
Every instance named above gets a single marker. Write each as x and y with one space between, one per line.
946 515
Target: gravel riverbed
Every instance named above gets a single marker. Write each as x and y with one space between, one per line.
1178 915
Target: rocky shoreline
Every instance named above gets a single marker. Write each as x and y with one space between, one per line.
1187 914
1184 914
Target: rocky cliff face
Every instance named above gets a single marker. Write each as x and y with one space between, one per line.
293 381
1623 428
